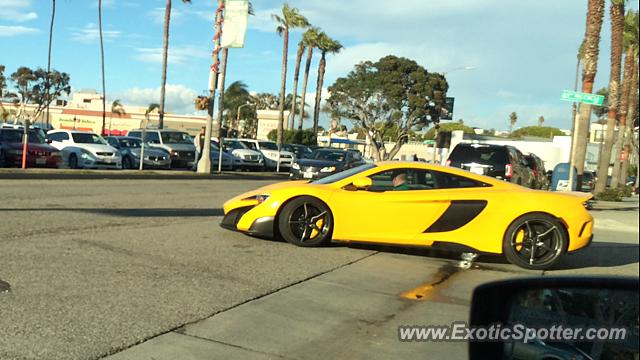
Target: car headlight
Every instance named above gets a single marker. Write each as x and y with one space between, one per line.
260 198
328 169
86 154
174 153
296 166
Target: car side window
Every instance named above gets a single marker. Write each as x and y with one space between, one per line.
59 136
113 142
250 144
135 134
152 137
444 180
416 179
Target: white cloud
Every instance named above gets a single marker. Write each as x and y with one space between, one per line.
177 54
17 11
157 14
91 33
178 98
10 31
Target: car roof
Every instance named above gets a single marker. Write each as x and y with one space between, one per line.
70 131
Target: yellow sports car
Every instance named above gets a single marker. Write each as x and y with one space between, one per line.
411 203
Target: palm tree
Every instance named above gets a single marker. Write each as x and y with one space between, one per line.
291 18
513 118
104 91
310 39
145 123
630 42
165 51
48 83
541 121
296 75
617 28
116 108
595 13
326 45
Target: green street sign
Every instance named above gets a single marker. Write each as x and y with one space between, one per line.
574 96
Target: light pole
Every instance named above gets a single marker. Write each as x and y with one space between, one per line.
237 124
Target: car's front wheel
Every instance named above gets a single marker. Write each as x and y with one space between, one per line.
306 221
535 241
73 161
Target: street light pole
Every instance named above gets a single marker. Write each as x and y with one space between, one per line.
237 124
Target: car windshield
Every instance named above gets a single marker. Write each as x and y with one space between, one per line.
87 138
175 137
235 145
337 156
344 174
130 143
268 145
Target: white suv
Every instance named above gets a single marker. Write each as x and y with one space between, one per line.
243 157
81 149
269 150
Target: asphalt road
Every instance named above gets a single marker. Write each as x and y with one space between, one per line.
98 266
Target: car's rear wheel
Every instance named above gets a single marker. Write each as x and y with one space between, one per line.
306 221
535 241
73 161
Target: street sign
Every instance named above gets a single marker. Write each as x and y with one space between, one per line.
574 96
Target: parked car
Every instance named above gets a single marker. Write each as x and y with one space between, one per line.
301 151
540 180
588 182
177 143
130 149
324 162
243 157
39 153
82 149
227 160
503 162
269 150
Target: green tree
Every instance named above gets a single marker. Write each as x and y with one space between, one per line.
3 82
291 18
431 133
595 13
30 88
303 137
237 96
602 111
537 131
310 41
513 118
165 52
326 45
117 109
391 92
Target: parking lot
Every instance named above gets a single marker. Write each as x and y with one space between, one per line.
97 266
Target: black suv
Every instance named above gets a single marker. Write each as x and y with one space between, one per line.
499 161
540 180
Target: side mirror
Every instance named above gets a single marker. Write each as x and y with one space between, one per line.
554 315
362 183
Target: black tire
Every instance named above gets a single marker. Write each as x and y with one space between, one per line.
73 161
127 163
306 221
550 243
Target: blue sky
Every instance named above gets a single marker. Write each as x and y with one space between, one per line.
523 53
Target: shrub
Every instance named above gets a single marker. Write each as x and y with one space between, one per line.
610 195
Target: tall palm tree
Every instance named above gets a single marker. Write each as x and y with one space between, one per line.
630 41
310 40
165 51
628 134
104 91
48 83
326 45
595 13
541 121
617 27
296 75
116 108
291 18
513 118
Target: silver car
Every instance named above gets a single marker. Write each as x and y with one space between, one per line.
130 148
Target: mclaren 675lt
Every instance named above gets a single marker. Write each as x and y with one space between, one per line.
418 204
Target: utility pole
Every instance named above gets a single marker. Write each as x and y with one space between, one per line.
204 165
225 54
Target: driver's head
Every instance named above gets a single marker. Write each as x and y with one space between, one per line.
399 178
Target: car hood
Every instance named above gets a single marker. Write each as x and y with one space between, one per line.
272 154
242 152
225 156
94 148
317 163
149 151
268 189
178 147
